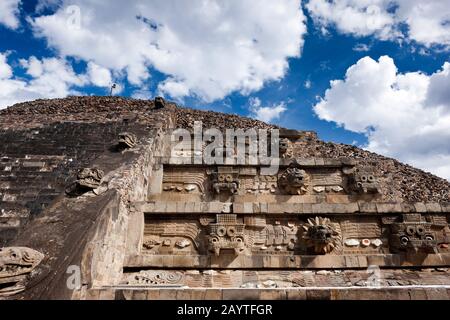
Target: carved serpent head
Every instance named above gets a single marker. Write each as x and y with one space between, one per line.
320 235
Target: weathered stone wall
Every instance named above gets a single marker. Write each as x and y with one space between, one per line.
103 260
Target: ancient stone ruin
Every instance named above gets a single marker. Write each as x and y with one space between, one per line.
96 205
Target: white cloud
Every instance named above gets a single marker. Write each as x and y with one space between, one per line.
5 68
47 4
9 11
99 76
46 78
143 94
427 21
208 48
268 113
308 84
361 47
405 115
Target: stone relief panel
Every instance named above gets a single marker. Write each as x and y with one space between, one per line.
149 278
363 235
417 233
268 235
172 237
230 234
185 180
219 182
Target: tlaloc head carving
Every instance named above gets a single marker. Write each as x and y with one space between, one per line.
127 139
320 235
16 263
414 234
226 233
294 181
90 178
363 180
225 179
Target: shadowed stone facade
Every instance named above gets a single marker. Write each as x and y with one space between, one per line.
90 184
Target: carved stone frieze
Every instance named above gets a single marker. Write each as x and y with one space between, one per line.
191 181
156 278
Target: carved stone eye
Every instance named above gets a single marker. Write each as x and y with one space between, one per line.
221 231
404 240
363 178
420 230
371 178
231 231
229 178
238 239
221 178
410 230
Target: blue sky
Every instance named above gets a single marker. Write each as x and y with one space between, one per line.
397 105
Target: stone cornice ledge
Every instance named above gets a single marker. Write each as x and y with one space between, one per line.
181 207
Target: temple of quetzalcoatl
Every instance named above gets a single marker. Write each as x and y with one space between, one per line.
95 204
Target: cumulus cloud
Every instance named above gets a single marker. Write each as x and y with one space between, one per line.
101 77
9 11
266 113
427 22
404 115
46 78
207 49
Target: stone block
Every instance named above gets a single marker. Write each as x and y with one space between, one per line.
248 207
238 207
433 207
367 207
171 207
189 207
318 294
274 208
295 294
160 206
389 208
240 294
445 206
272 294
213 294
167 294
408 207
181 207
420 207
